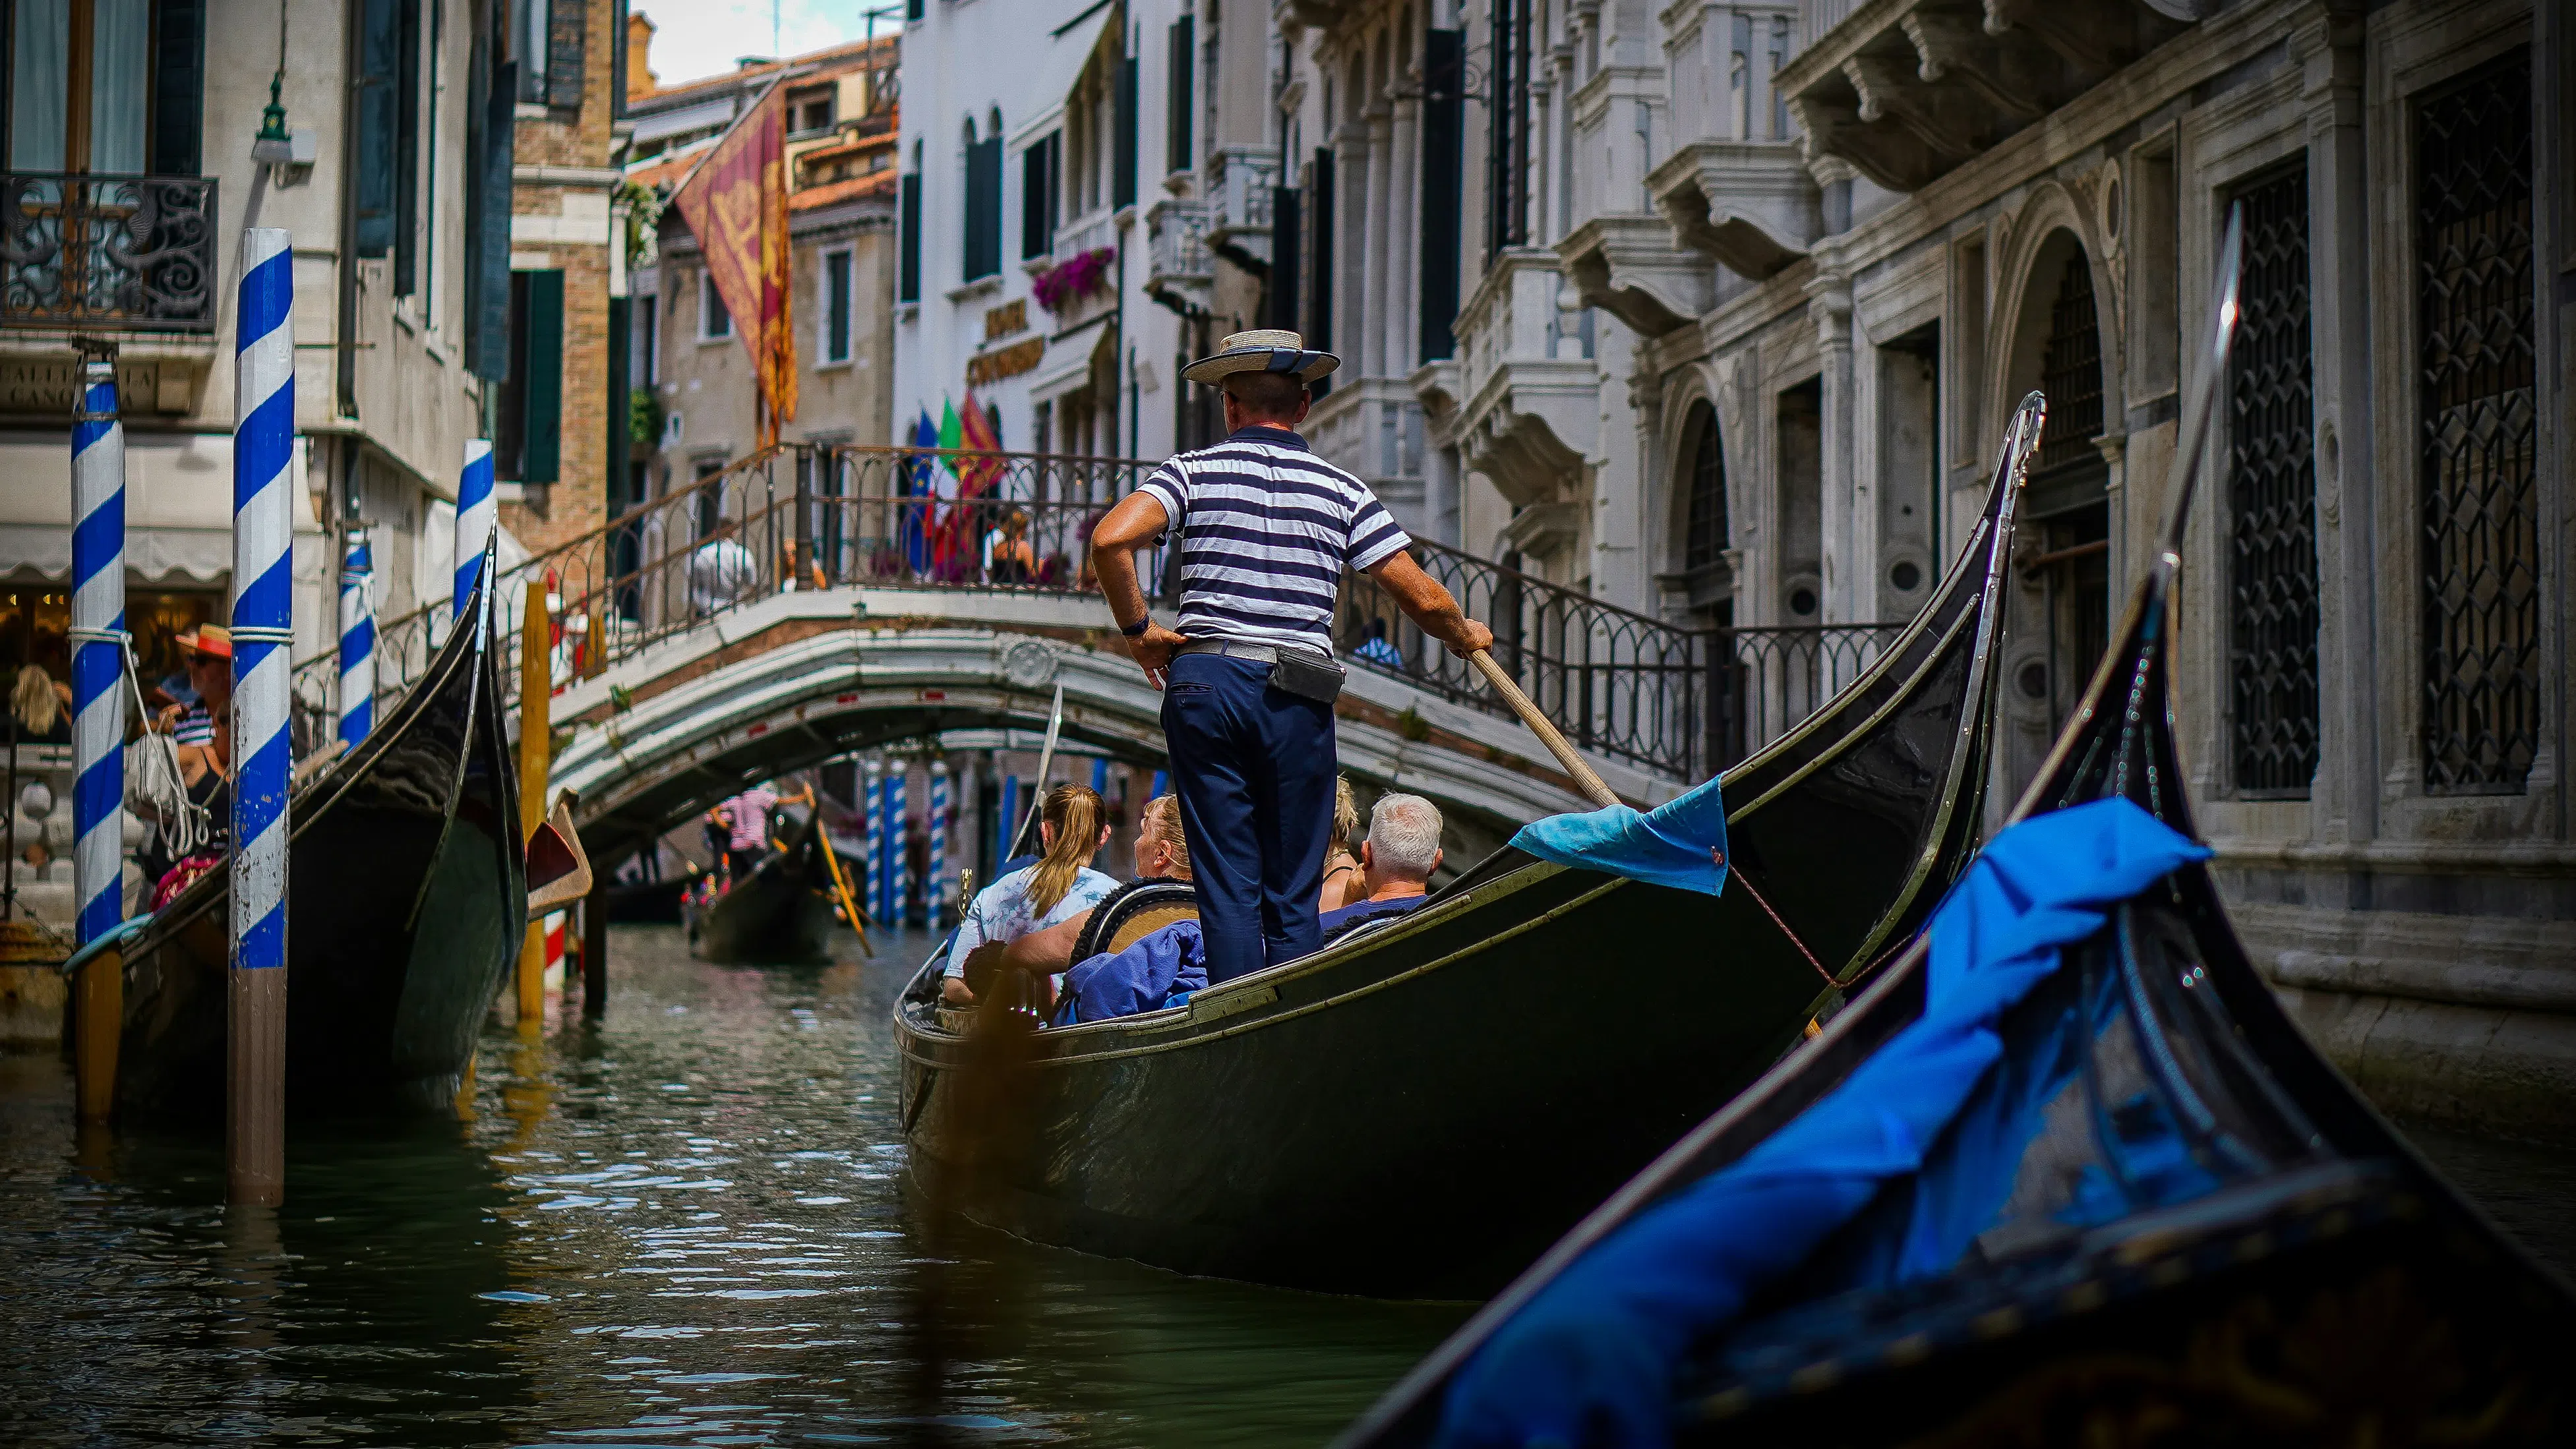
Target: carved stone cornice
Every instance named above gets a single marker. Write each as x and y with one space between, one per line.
1749 204
1628 267
1905 90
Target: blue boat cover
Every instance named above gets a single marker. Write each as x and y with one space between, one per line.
1144 977
1591 1359
1669 845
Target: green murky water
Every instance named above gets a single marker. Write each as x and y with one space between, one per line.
688 1227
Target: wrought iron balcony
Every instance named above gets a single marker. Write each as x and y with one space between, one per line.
120 252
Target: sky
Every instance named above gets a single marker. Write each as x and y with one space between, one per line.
694 39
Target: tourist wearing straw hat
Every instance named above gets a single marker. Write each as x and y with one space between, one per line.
1265 530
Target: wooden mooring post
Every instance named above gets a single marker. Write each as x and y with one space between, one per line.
536 762
594 948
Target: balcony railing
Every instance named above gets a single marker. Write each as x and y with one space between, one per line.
1177 253
1673 701
1239 183
126 252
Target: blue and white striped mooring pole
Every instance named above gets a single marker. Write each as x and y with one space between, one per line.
98 660
898 859
357 640
98 727
263 598
934 892
872 825
474 519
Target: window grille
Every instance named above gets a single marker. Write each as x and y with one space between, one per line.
2070 371
2272 500
1704 536
2479 594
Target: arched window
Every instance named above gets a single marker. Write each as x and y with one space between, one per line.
2070 371
1704 532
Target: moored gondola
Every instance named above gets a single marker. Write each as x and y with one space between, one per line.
2151 1215
1417 1109
780 913
407 897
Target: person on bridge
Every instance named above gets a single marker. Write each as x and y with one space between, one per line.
1265 530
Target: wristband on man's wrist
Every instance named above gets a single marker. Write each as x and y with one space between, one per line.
1137 629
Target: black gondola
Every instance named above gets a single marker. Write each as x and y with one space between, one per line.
407 898
2323 1285
1415 1110
781 912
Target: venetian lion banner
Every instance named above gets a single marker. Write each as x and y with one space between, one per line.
736 206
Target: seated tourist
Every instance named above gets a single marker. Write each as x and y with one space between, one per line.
1396 861
1061 887
1161 854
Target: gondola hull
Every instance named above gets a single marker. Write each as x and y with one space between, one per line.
1414 1111
406 900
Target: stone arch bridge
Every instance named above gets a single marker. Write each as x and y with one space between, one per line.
808 602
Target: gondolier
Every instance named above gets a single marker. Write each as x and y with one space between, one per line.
1265 529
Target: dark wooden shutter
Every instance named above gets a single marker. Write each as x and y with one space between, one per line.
178 89
1318 256
983 251
567 31
620 404
1182 86
540 376
1444 136
908 265
1122 138
493 92
1287 254
407 149
1037 198
379 124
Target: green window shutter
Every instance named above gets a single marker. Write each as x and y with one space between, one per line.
487 222
1444 134
908 288
1287 255
407 150
178 89
540 379
1181 84
1122 137
379 58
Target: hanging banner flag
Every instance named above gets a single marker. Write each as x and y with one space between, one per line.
735 203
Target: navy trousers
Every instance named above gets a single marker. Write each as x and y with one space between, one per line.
1254 771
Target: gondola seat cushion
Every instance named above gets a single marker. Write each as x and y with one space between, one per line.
1145 976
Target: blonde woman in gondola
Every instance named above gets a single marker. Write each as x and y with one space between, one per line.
1073 824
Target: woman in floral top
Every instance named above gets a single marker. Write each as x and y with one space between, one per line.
1074 824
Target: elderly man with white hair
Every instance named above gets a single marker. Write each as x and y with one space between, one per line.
1396 861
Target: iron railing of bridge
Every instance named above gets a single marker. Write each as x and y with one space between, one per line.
1671 699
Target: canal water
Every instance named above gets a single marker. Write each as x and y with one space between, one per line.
687 1227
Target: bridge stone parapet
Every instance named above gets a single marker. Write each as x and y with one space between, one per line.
789 680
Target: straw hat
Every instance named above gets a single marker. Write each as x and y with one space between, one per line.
212 639
1266 350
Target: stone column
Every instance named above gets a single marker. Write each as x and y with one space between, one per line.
1830 307
1378 323
1350 244
1404 262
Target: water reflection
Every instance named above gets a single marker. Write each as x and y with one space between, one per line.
688 1226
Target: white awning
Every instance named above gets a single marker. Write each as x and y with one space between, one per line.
653 125
1060 69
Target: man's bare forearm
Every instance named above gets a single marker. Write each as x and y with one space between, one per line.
1429 605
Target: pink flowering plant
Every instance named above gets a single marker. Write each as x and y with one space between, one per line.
1084 274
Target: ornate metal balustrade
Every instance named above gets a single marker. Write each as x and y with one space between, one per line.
128 252
1674 701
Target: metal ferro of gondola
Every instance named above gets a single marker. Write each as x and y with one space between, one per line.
2313 1280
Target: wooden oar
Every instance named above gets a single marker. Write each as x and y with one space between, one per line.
1585 780
832 867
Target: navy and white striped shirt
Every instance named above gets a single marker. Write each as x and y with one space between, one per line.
1266 528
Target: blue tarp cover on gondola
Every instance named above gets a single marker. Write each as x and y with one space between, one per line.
1591 1359
1146 976
1668 845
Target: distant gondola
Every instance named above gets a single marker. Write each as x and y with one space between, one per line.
1416 1110
781 912
406 901
2208 1236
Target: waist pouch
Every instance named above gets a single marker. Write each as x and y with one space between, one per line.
1307 676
